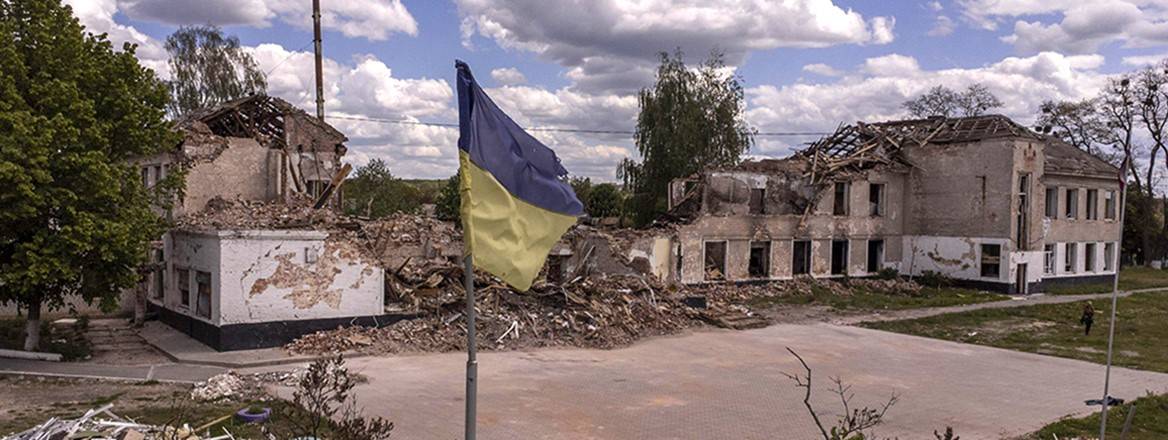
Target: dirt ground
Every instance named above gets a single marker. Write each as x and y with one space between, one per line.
28 400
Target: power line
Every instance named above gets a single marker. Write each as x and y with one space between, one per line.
553 129
290 55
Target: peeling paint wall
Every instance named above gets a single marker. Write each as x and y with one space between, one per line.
267 276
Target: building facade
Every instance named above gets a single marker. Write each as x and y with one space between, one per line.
981 200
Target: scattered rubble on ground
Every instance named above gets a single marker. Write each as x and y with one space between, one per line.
220 386
102 424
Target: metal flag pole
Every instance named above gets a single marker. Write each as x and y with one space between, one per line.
1114 301
472 366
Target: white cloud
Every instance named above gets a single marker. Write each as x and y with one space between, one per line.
1144 60
614 44
372 19
98 16
935 6
1079 26
822 69
508 76
1021 83
942 26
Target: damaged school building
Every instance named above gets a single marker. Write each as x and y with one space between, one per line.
260 255
980 199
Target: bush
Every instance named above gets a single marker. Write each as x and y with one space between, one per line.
929 278
887 273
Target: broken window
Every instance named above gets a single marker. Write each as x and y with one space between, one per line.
146 176
715 260
1052 202
1089 257
1108 256
839 257
876 199
1048 259
801 258
1022 235
203 302
1072 209
760 259
183 278
991 260
757 198
159 269
1092 204
840 202
875 255
1109 206
1069 258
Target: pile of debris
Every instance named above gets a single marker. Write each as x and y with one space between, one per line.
221 213
599 312
102 424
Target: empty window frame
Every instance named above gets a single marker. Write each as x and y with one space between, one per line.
876 199
1072 205
839 257
1092 204
1109 205
991 260
715 256
875 256
1022 235
203 302
1051 202
840 201
801 257
1108 256
182 277
758 201
1069 256
1089 257
1048 261
759 265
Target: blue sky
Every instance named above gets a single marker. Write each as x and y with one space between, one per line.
807 65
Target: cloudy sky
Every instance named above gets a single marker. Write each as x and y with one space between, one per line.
807 65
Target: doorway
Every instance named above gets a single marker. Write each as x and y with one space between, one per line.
1020 286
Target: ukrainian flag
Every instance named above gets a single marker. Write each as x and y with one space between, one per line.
515 202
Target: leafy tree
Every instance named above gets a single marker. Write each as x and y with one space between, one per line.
449 200
1079 123
943 101
689 119
76 219
605 200
374 192
208 68
582 186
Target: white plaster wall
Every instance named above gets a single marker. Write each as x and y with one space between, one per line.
1060 252
956 257
249 292
195 252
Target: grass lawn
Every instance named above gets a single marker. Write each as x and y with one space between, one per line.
1150 422
1130 278
1054 329
862 299
67 342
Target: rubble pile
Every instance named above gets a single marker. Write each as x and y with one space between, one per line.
221 213
102 424
220 386
599 312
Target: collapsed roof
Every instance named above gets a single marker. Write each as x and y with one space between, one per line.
267 119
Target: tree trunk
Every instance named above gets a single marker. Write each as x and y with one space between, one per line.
140 292
32 328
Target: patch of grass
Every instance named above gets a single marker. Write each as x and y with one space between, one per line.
1054 329
1130 278
862 299
1150 422
179 410
69 344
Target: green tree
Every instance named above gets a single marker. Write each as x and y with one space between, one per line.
76 219
374 192
689 119
605 200
582 186
449 199
208 68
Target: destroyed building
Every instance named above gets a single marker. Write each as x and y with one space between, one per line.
981 199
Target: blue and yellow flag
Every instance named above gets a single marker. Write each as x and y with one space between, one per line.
515 202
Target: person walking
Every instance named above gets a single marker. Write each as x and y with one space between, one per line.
1088 318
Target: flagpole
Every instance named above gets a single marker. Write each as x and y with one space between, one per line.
1114 301
472 367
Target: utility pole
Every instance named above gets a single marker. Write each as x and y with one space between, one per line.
319 70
